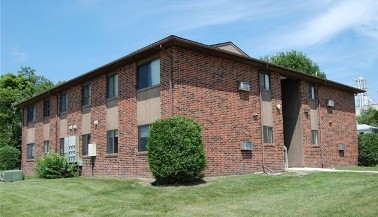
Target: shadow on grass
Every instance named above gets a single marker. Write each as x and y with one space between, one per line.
193 182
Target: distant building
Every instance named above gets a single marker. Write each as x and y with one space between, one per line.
251 112
364 128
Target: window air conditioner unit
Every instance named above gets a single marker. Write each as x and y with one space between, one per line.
92 150
331 103
244 86
246 145
342 147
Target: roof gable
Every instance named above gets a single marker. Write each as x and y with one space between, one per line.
231 47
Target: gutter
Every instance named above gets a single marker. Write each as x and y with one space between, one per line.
191 45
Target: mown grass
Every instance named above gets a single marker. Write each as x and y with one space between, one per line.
316 194
375 168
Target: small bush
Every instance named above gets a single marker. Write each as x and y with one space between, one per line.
9 158
53 166
368 149
175 150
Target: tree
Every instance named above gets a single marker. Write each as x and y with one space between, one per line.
369 116
368 149
9 158
14 88
175 150
296 60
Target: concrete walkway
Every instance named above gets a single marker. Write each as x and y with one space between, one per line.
309 169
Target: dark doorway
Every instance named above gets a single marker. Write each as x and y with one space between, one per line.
291 122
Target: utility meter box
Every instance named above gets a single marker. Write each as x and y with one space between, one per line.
92 150
11 175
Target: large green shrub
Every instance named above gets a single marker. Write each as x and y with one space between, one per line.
175 150
53 166
9 158
368 149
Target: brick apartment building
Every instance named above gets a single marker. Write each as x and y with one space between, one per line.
251 112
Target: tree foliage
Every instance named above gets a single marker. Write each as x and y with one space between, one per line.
14 88
296 60
369 116
175 150
54 166
9 158
368 149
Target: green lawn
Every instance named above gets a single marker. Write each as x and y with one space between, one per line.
289 194
358 168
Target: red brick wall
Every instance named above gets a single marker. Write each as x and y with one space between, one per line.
336 125
205 88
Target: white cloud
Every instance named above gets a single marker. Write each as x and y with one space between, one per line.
193 15
358 16
18 56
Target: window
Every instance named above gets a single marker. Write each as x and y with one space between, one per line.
149 74
314 137
112 86
46 108
46 147
265 81
30 151
30 114
112 141
143 137
311 92
63 103
268 134
61 141
86 95
86 139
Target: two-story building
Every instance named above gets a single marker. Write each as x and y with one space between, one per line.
255 115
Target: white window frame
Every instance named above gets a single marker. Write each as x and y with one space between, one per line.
86 100
141 146
152 73
85 140
314 137
268 134
63 102
265 81
112 86
30 151
312 92
112 141
46 146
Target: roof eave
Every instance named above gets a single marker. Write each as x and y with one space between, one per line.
191 45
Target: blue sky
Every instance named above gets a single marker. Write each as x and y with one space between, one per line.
63 39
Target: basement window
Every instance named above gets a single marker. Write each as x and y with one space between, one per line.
112 141
143 133
268 134
30 151
314 137
149 74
